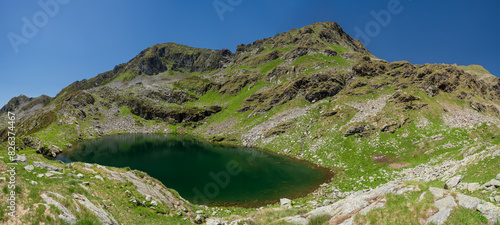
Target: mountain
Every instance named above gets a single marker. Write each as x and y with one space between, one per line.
393 132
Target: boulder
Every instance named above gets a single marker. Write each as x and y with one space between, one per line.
79 176
473 187
29 168
21 159
46 166
154 203
148 198
498 176
452 182
286 203
490 211
33 182
492 182
51 151
497 198
356 129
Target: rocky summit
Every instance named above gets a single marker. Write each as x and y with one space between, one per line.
409 144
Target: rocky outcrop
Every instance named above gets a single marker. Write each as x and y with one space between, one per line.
66 215
101 214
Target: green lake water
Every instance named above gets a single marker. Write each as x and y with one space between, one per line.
204 173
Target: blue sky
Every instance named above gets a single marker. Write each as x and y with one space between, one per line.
84 38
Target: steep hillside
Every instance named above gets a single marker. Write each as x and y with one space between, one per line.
393 132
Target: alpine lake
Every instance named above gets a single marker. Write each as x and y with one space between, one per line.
205 173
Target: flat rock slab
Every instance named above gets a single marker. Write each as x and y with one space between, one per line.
445 206
66 215
468 201
437 192
46 166
103 216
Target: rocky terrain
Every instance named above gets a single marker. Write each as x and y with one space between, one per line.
409 144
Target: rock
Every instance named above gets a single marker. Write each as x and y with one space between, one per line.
437 192
154 203
29 168
198 219
492 183
127 192
327 202
452 182
286 203
148 198
468 201
473 187
99 177
101 214
51 151
356 129
215 221
199 212
445 206
3 178
33 182
498 176
497 198
79 176
40 175
46 166
490 211
134 201
20 159
66 215
298 220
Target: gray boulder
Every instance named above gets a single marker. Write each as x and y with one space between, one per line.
286 203
452 182
79 176
29 168
21 159
498 176
473 187
46 166
490 211
492 182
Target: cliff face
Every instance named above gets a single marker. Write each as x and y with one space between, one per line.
313 93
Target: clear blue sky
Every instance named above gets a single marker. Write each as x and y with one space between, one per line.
85 38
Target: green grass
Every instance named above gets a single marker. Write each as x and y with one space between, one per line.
464 216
